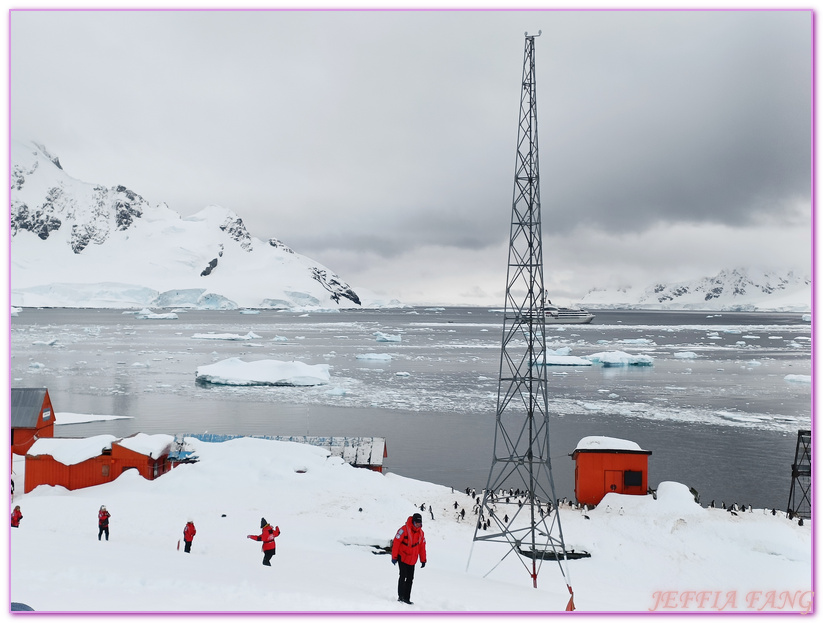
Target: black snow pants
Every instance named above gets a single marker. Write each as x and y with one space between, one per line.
404 584
267 554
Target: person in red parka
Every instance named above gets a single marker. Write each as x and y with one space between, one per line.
16 516
409 544
267 537
188 535
103 523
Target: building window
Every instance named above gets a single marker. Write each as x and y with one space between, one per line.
632 479
105 470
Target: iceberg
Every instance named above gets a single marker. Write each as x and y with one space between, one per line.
235 371
147 314
619 358
565 360
385 337
798 378
226 336
375 356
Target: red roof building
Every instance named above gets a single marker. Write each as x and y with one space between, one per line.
32 417
78 463
609 465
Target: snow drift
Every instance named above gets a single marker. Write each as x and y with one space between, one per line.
646 553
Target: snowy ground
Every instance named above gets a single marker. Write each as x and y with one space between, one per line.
666 554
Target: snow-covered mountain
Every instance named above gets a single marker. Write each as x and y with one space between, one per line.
736 289
76 244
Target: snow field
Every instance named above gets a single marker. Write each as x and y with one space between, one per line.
639 545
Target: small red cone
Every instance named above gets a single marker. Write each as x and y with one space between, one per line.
570 605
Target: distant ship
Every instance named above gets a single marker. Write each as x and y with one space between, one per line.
565 315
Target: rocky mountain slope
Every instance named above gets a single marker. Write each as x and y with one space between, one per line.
736 289
76 244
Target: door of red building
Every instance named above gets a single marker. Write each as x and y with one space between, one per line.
613 481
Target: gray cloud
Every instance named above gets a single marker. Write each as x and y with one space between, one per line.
386 132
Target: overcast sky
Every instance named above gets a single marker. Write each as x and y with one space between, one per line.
673 144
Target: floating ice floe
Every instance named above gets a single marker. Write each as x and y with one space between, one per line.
226 336
16 311
385 337
63 417
742 417
565 360
798 378
374 356
147 314
619 358
685 354
50 342
249 311
561 357
235 371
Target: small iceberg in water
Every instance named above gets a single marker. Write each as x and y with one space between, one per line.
235 371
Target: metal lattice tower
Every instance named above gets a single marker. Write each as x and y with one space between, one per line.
800 501
528 523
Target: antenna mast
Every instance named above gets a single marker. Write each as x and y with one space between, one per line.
528 523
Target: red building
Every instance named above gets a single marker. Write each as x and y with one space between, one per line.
607 464
32 417
78 463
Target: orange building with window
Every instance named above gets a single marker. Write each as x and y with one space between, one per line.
78 463
32 417
609 465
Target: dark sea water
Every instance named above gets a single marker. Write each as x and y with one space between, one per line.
719 408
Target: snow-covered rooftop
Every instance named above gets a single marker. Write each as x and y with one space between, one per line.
72 451
149 445
607 444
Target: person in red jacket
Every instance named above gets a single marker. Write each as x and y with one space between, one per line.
103 523
409 544
16 516
267 537
188 535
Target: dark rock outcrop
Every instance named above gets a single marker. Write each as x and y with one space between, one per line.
207 270
334 285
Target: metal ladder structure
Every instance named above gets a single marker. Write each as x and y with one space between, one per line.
800 501
530 522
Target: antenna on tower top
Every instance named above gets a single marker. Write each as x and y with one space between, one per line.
528 36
